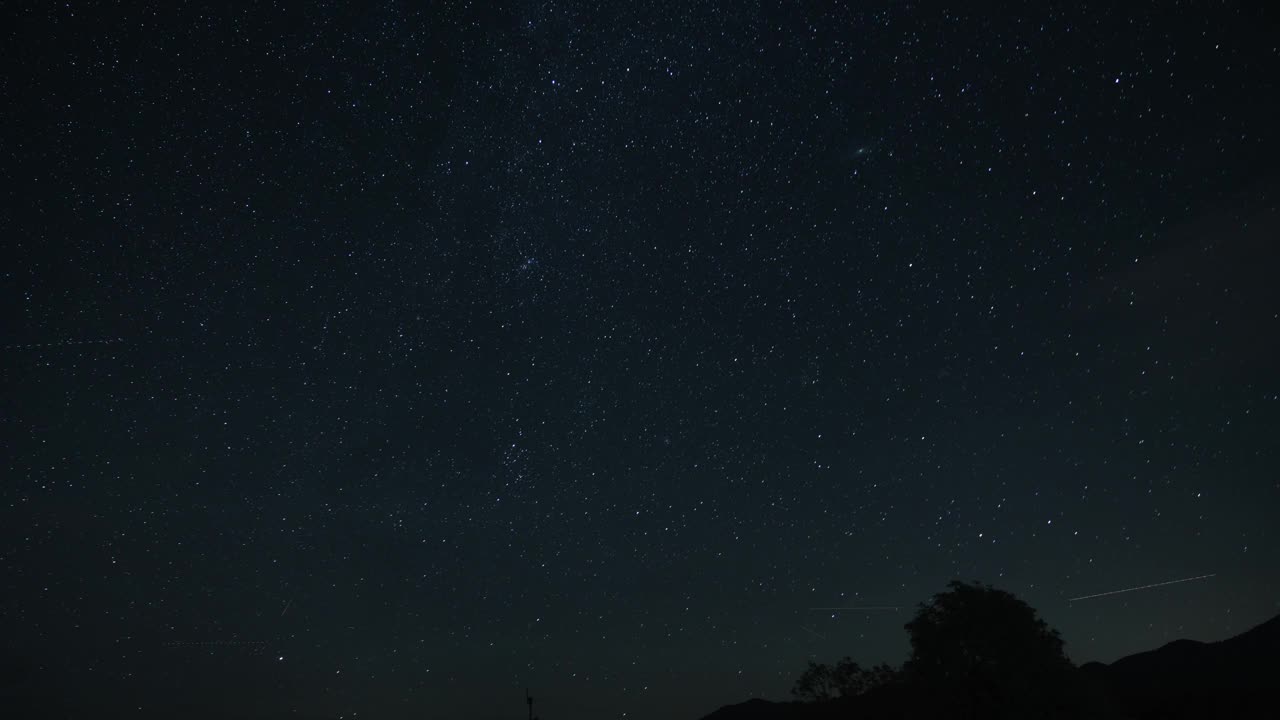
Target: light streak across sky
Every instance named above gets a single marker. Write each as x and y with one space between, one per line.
862 607
1141 587
813 632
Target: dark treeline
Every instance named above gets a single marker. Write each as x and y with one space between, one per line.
980 652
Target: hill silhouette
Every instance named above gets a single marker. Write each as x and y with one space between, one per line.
886 702
1231 678
1184 679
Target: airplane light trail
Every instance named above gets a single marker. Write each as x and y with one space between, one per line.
215 643
1141 587
813 632
62 343
863 607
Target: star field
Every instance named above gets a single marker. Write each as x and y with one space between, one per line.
386 360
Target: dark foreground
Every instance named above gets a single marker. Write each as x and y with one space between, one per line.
1235 678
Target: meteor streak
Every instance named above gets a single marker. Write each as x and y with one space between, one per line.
813 632
63 343
1141 587
862 607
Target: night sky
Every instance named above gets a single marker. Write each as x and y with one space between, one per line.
384 360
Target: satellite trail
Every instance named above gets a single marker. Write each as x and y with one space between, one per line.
1141 587
861 607
63 343
813 632
255 645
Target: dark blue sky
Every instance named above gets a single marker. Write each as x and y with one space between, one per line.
386 360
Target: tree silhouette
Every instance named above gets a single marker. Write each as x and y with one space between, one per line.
983 653
815 684
847 677
820 682
879 675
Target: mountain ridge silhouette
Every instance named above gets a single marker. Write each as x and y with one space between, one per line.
1231 678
